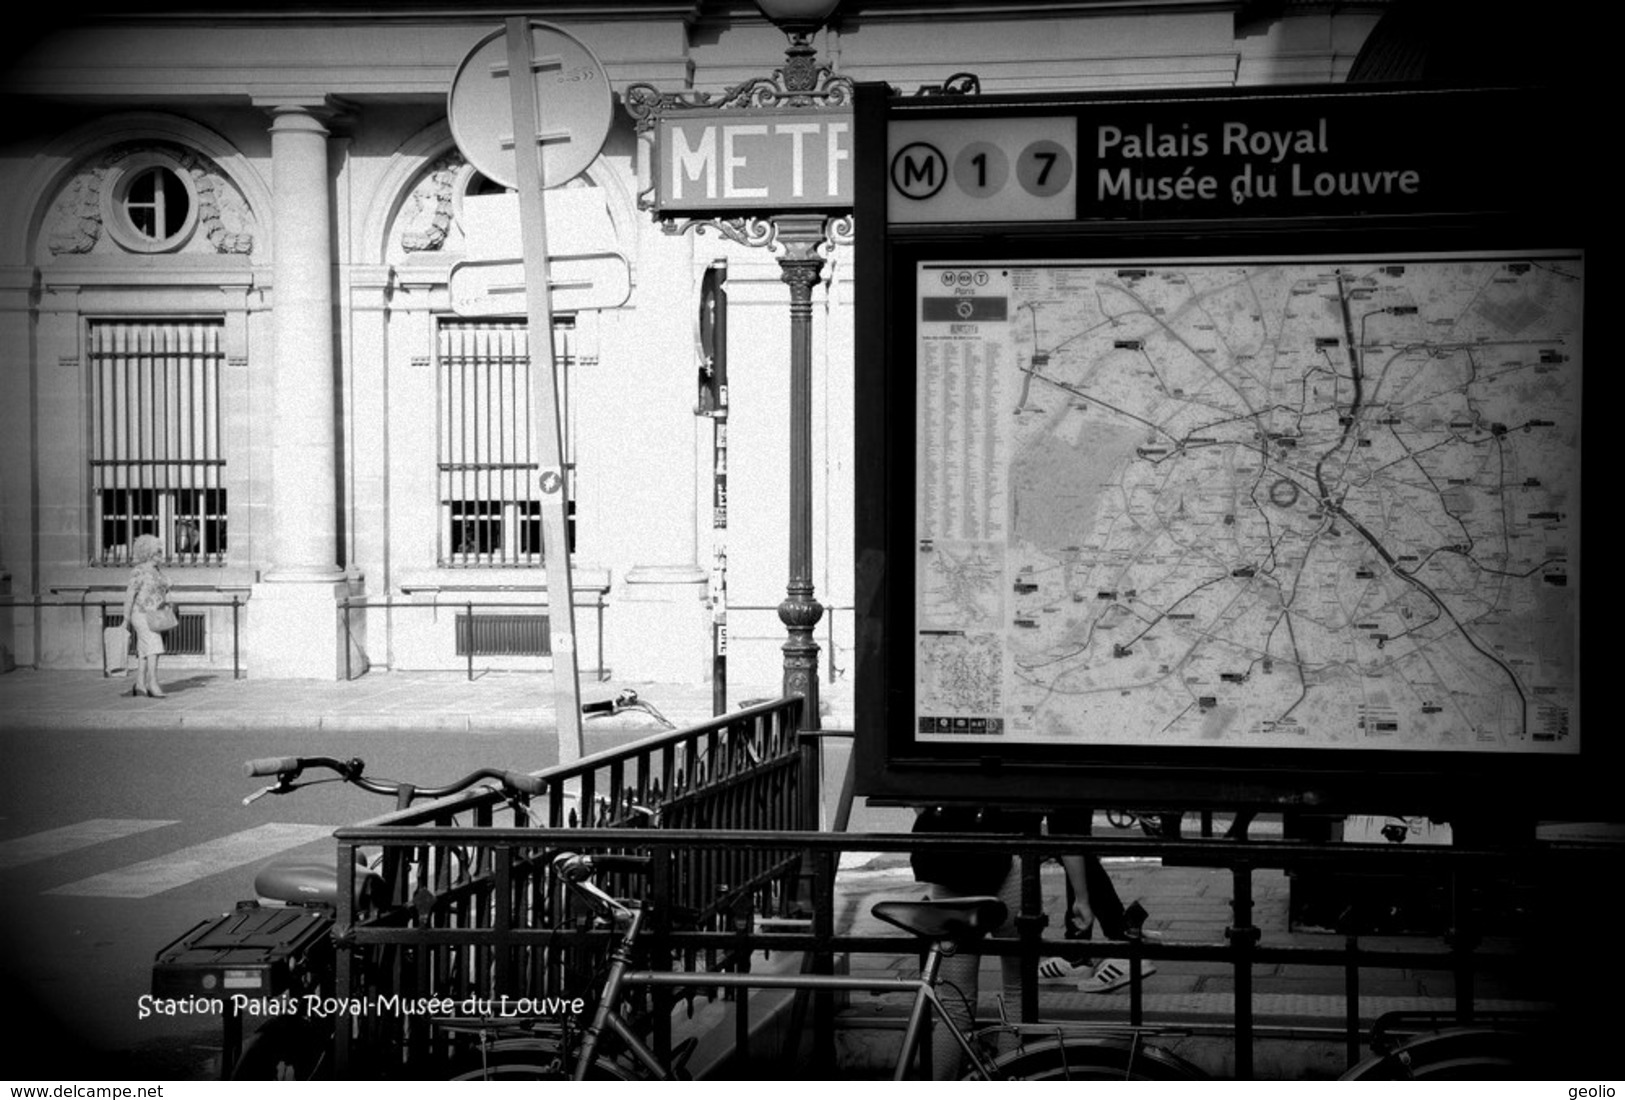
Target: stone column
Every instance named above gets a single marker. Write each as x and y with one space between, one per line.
294 628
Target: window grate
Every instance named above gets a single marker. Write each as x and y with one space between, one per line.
490 502
186 640
157 465
504 636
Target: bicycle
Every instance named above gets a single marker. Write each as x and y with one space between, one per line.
621 702
553 1049
1496 1047
278 944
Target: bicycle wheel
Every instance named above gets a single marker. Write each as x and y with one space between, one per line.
1456 1054
1094 1060
535 1060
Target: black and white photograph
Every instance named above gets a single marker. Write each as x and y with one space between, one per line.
805 540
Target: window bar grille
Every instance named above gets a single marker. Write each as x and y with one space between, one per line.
157 467
485 446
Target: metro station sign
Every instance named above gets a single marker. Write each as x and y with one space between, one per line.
744 161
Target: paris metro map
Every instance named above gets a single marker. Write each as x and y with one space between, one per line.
1325 504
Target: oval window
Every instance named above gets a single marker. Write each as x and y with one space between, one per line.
154 205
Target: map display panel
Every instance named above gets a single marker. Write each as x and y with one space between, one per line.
1317 504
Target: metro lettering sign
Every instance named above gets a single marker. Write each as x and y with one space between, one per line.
755 160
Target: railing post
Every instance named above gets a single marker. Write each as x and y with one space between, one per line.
344 976
1243 936
1462 940
102 634
660 883
236 645
1029 928
743 916
1351 997
823 959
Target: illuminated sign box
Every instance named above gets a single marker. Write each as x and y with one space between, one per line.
1221 157
712 161
1222 449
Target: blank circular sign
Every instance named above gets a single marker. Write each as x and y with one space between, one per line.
574 105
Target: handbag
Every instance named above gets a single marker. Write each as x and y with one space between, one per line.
162 618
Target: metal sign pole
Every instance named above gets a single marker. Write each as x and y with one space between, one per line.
522 66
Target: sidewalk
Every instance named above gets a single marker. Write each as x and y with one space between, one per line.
379 700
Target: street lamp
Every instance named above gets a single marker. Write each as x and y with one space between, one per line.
801 264
801 232
800 20
798 16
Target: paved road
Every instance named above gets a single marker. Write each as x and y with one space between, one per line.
113 842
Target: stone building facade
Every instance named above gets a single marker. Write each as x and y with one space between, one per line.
227 241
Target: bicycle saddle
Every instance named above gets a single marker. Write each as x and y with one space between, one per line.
309 882
956 919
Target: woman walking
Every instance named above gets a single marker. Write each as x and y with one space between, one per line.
146 610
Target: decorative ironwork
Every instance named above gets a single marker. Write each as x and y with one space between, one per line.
762 232
800 84
957 84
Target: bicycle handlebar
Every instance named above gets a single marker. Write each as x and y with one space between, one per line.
272 765
579 867
626 699
288 768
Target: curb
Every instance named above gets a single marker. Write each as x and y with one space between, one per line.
154 718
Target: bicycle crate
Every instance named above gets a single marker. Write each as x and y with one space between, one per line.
256 951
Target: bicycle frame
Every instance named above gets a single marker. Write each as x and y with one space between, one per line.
621 976
922 989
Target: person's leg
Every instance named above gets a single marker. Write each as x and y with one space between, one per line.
147 647
1104 901
1079 919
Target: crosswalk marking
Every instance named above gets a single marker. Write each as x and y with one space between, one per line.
70 838
154 876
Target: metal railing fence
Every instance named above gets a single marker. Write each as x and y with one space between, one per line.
467 914
468 628
511 951
192 604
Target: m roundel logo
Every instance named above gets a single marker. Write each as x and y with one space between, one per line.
919 170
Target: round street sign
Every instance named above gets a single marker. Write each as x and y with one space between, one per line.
574 106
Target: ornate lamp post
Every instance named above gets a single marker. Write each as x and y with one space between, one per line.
802 230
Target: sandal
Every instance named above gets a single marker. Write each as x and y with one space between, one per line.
1113 974
1057 970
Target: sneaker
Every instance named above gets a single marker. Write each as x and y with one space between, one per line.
1057 971
1113 974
